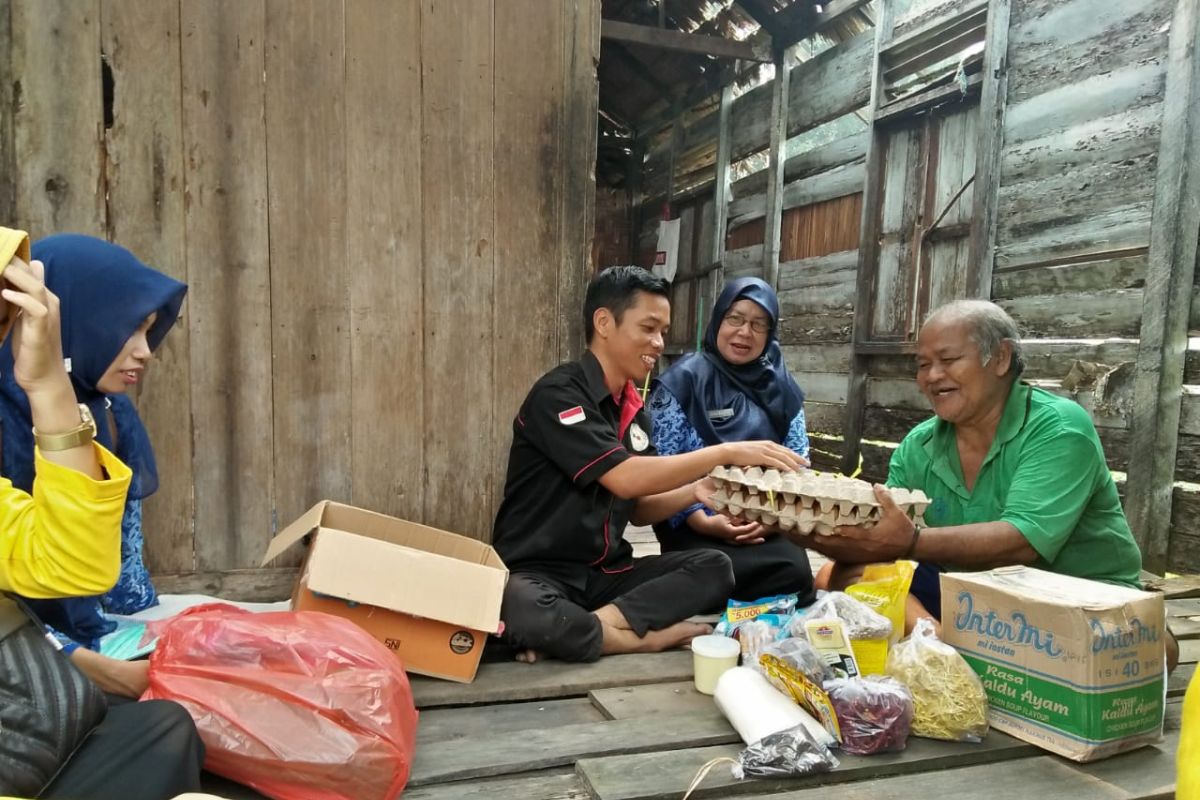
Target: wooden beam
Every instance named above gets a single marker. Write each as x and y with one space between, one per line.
934 28
918 102
775 152
1170 272
868 253
684 42
262 585
939 51
721 193
725 76
989 151
836 12
641 70
758 11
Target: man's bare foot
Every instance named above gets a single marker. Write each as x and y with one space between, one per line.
678 635
528 656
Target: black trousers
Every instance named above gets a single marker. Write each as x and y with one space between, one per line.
141 751
550 616
759 570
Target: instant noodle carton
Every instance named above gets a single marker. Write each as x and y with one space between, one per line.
1071 665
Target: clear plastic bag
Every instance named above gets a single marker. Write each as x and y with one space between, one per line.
759 634
948 698
874 714
801 656
297 705
783 754
862 622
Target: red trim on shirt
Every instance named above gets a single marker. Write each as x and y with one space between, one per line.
600 561
631 404
593 461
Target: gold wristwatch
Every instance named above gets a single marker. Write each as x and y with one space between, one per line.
76 437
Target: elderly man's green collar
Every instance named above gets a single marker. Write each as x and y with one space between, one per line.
1044 474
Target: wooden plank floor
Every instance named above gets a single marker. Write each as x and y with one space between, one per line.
633 728
642 731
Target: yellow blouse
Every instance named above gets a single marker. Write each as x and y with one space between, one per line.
65 539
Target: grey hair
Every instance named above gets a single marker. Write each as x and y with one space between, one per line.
988 325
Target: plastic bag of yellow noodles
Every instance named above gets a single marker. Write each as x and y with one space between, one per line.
948 698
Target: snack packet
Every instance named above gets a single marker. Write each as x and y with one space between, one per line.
739 612
799 655
793 682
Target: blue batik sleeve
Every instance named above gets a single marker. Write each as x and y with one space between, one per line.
797 435
673 434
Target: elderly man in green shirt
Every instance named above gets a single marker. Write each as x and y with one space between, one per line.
1016 474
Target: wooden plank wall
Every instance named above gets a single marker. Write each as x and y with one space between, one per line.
383 211
1080 145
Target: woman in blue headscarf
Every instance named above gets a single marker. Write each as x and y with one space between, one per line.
115 311
736 388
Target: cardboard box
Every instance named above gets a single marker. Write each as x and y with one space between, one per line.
431 596
1071 665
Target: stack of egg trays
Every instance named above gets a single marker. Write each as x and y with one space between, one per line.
806 501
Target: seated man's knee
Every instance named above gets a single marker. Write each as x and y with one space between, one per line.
528 611
715 572
538 617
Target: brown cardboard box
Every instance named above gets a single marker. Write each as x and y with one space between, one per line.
431 596
1071 665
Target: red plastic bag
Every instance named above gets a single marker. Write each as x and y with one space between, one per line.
298 705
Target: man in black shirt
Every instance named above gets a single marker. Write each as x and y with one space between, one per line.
581 467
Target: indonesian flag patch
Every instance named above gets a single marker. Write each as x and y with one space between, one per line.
571 415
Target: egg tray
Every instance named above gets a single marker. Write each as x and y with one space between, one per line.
806 501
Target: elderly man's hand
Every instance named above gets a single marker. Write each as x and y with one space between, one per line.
889 539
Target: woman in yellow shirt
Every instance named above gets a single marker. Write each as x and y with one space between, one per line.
1187 785
64 540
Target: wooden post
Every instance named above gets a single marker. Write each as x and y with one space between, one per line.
721 195
8 158
1170 272
868 254
678 137
635 172
779 123
992 104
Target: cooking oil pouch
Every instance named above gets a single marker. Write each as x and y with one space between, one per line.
884 589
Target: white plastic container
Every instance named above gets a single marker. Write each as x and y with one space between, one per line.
711 657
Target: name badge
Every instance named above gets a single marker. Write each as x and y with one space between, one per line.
638 438
720 414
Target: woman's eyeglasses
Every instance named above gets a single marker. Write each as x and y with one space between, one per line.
737 321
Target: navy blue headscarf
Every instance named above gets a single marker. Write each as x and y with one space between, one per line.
105 294
737 402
